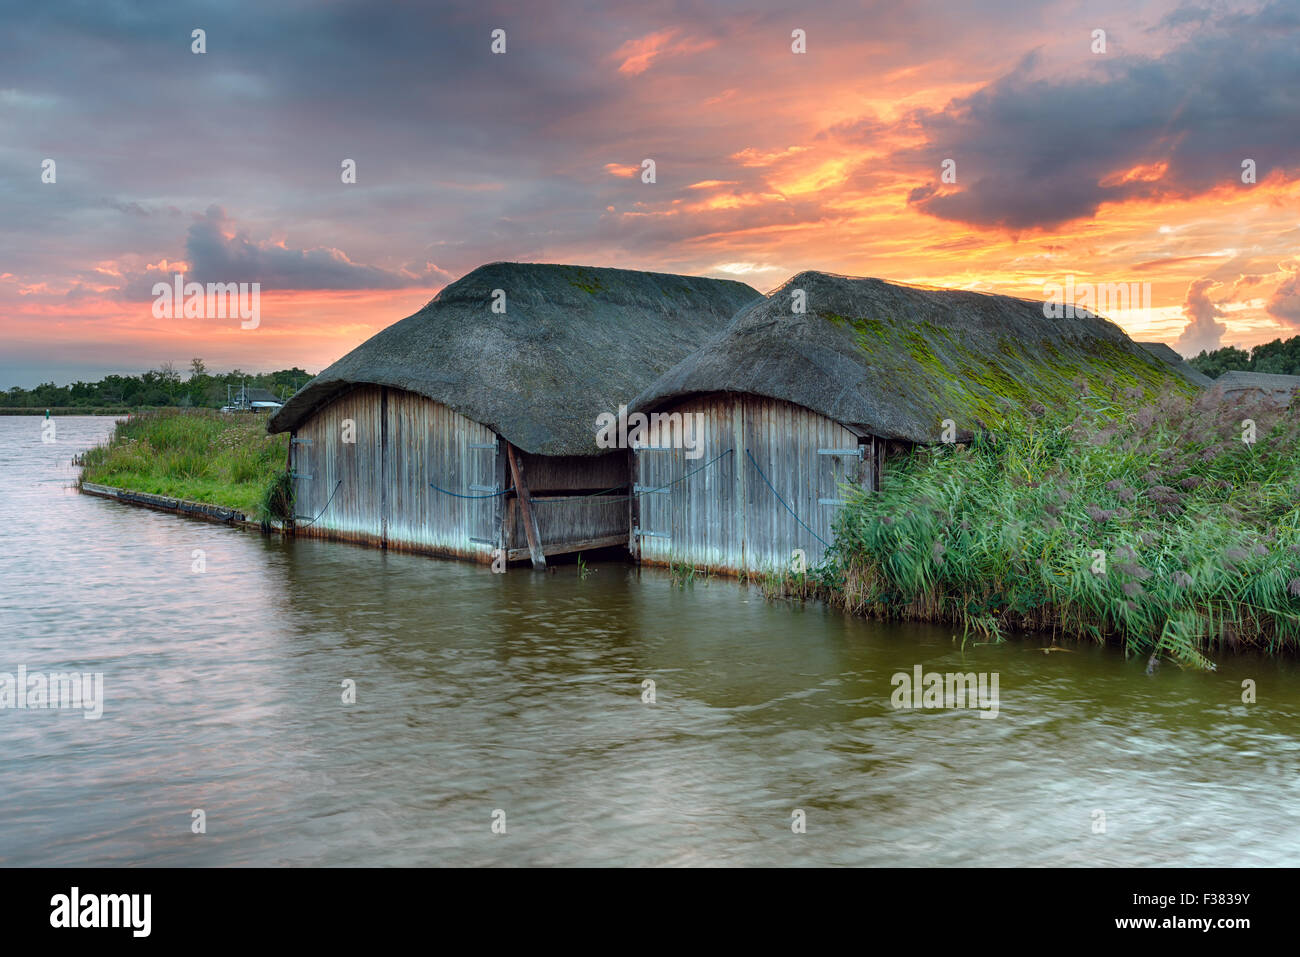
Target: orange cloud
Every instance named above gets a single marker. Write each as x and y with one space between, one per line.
753 157
1146 173
637 55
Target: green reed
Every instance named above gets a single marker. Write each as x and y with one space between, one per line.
1153 524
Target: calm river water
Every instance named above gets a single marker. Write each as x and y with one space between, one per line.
523 692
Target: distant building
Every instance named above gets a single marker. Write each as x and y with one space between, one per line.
1278 388
253 400
261 400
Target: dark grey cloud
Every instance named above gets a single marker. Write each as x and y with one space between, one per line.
214 256
1183 16
1034 151
219 250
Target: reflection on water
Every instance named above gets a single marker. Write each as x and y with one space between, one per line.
523 692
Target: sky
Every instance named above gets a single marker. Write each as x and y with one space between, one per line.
1069 163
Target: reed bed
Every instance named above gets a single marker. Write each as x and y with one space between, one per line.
1149 523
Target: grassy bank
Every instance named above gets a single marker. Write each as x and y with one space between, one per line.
194 454
1151 524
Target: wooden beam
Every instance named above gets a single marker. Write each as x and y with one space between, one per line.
526 509
567 548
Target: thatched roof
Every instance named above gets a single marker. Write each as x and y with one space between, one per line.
1165 353
1279 388
574 342
895 361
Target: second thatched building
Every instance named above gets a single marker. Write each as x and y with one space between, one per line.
806 393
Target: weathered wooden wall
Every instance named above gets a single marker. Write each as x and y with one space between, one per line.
714 510
338 481
403 443
429 443
724 515
567 473
569 524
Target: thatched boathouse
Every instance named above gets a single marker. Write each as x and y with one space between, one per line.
798 404
470 426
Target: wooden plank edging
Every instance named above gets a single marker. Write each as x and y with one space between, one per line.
177 506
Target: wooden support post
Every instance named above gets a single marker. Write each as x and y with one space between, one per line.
526 509
383 467
633 506
864 476
290 523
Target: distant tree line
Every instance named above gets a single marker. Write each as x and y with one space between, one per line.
163 386
1278 357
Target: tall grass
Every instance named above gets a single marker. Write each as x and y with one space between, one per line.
195 454
277 502
1151 524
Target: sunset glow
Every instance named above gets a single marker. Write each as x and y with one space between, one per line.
1122 167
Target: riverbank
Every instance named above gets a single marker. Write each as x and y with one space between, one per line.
72 410
1154 525
195 456
176 506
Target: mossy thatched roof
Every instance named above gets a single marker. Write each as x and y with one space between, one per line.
1165 353
574 342
895 361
